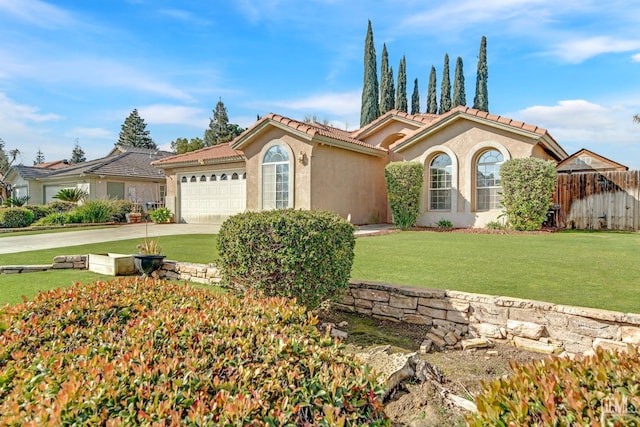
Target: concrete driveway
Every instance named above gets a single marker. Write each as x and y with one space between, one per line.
122 232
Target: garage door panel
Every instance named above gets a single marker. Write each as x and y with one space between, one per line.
207 201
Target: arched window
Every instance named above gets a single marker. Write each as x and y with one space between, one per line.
184 179
213 177
440 183
193 178
275 178
234 176
223 177
244 175
203 178
488 180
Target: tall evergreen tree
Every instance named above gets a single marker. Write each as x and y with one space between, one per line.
384 82
77 155
183 145
459 97
39 157
415 98
391 95
220 130
369 110
481 100
401 91
445 88
133 132
432 101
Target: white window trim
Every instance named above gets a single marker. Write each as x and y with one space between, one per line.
292 163
426 159
470 170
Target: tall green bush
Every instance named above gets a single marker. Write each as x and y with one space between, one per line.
527 189
95 211
142 352
39 211
121 208
302 254
404 186
15 217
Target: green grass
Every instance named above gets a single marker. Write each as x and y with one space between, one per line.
599 270
199 248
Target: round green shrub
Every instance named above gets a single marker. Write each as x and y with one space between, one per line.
121 208
39 211
60 206
138 351
95 211
15 217
161 215
294 253
56 218
560 391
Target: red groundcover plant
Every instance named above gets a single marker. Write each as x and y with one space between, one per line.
145 352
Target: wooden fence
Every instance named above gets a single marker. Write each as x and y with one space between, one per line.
598 200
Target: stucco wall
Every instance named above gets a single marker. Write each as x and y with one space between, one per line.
351 184
464 140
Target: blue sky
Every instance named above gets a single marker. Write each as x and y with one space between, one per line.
73 70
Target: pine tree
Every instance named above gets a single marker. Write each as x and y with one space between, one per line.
445 88
39 157
369 108
459 97
401 94
220 130
134 133
415 98
183 145
77 155
386 83
481 100
432 102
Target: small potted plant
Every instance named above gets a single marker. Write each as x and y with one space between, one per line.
148 259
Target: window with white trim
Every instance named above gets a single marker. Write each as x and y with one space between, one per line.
275 178
488 182
440 183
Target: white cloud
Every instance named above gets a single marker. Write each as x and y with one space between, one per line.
183 16
37 12
12 113
174 114
580 49
635 57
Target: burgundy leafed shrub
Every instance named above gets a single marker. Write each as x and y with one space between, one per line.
603 389
144 352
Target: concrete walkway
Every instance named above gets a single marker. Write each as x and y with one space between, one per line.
123 232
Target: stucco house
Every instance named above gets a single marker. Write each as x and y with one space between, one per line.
284 163
125 173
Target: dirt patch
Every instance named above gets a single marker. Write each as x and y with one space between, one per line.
422 404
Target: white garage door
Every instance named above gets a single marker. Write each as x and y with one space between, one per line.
209 198
52 190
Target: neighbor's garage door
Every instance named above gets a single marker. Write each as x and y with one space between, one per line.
208 198
52 190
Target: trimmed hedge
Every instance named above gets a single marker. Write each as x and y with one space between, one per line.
15 217
135 351
527 189
302 254
404 186
39 211
564 392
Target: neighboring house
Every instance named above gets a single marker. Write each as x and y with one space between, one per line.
55 164
587 161
125 173
283 163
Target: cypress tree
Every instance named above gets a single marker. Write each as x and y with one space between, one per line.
369 108
459 97
481 100
391 95
401 94
432 102
445 88
415 98
384 81
133 132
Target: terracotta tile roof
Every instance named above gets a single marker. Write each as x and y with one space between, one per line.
492 117
216 153
55 164
315 128
419 119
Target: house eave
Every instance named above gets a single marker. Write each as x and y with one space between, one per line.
246 139
349 146
201 162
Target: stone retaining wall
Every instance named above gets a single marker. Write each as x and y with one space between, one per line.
207 274
533 325
77 262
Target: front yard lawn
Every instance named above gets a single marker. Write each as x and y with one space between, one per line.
591 269
596 269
